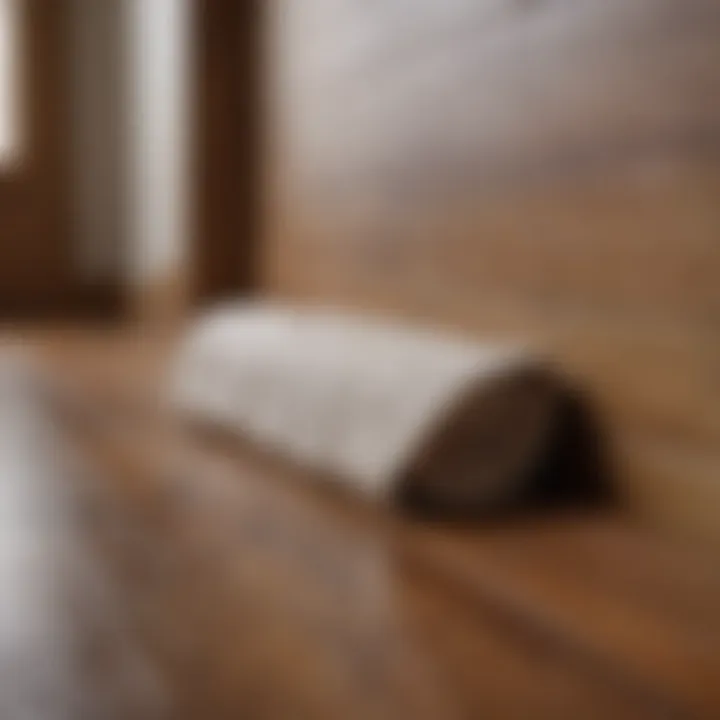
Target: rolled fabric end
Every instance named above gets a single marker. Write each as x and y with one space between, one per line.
389 411
489 442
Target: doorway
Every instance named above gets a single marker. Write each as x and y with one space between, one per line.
39 276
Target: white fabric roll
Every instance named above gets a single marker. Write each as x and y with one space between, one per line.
376 405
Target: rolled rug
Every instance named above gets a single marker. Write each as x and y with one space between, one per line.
389 411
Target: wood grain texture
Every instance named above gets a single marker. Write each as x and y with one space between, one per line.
258 593
542 169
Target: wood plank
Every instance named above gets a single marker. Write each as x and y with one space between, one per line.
303 600
305 606
546 170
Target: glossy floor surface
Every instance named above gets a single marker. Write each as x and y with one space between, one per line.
256 593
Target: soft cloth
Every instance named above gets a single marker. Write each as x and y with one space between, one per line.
388 410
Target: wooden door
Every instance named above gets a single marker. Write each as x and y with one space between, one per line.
36 234
229 142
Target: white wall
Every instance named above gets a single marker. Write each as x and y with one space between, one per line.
159 135
10 17
100 148
131 68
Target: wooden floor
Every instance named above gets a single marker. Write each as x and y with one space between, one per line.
258 594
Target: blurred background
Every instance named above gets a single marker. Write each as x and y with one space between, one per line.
542 169
538 170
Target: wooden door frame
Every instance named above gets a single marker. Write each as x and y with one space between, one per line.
40 190
229 148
